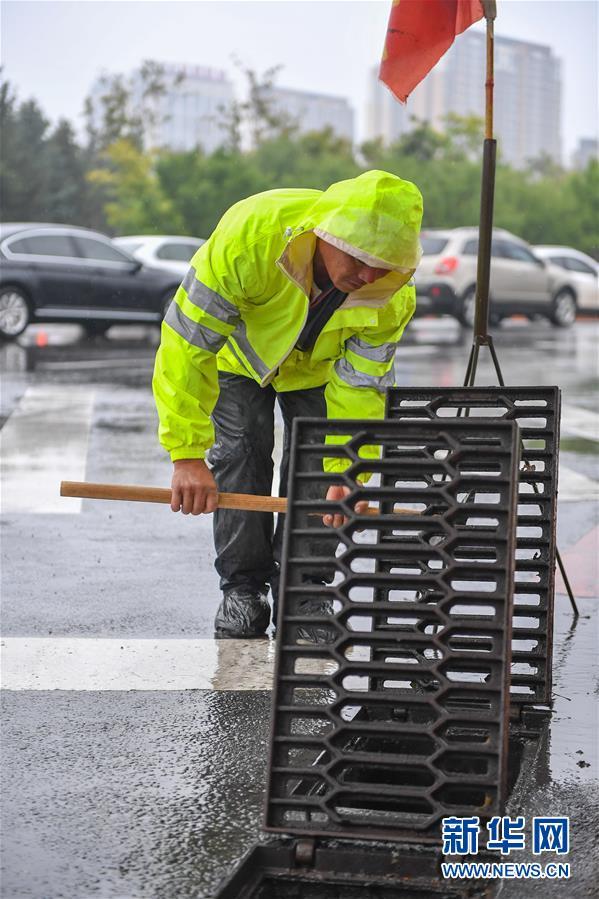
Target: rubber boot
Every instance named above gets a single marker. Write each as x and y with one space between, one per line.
242 614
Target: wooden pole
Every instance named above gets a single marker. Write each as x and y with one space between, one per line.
135 494
490 13
246 502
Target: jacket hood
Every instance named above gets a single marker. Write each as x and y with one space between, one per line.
376 218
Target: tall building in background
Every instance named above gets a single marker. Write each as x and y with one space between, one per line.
386 118
187 114
585 152
314 112
190 111
527 97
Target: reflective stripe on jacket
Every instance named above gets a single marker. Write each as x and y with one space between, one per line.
244 302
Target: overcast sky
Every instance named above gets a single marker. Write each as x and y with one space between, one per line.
54 49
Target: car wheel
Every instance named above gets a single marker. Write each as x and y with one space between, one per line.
465 314
95 329
563 309
15 313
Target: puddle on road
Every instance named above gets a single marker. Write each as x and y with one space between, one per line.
573 748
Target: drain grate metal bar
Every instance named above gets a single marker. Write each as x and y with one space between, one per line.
537 412
399 715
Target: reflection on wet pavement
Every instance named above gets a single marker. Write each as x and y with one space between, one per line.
57 424
561 775
132 794
574 732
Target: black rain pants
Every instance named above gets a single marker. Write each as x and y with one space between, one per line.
248 550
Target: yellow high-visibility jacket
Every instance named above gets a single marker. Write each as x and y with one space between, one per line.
244 303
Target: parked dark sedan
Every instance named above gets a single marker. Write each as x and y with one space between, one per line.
57 273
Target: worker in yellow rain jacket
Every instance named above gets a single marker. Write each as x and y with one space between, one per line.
299 296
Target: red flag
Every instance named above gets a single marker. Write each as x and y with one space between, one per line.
418 34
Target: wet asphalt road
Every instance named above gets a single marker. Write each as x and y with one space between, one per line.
122 784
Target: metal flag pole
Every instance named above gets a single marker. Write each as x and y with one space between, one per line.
481 336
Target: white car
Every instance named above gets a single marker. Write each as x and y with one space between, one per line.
521 282
164 251
583 270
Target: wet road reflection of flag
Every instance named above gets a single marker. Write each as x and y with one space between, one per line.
418 34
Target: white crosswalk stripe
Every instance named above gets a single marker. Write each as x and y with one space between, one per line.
88 663
580 422
576 487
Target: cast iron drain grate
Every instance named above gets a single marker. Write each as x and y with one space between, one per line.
537 412
398 716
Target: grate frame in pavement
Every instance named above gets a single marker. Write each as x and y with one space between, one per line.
536 410
284 869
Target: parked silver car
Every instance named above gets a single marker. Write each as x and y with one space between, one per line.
582 270
521 282
164 251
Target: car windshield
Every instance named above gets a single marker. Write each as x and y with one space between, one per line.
431 246
178 252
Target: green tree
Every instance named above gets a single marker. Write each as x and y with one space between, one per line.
23 173
464 136
202 188
66 185
135 201
120 118
423 142
127 108
544 166
582 189
259 116
314 159
559 208
9 177
109 116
